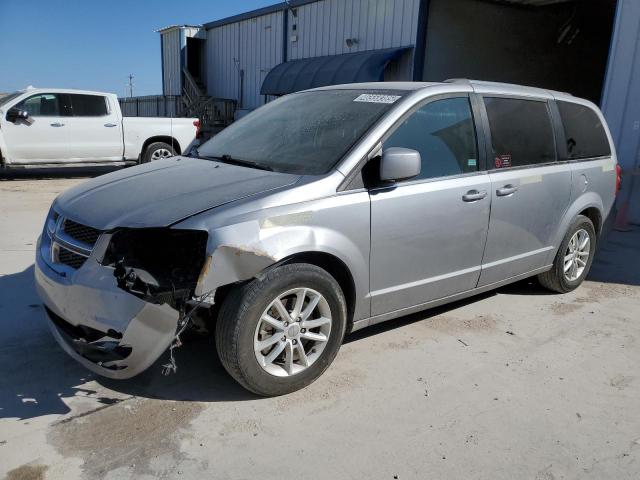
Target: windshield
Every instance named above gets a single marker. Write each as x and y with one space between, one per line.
303 133
8 98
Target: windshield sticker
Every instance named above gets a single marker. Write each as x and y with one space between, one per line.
471 162
376 98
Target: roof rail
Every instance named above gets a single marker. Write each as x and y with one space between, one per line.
458 80
479 83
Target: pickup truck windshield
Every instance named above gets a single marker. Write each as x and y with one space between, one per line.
304 133
8 98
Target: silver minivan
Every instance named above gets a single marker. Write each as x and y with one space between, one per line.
321 213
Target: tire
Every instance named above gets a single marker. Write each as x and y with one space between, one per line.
242 313
156 151
556 279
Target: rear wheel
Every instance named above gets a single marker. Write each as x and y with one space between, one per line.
574 257
280 332
157 151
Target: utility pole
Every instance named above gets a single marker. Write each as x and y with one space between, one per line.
131 77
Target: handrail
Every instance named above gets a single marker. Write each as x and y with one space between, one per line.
191 88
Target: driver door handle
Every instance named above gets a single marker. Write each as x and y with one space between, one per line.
110 124
474 195
57 124
506 190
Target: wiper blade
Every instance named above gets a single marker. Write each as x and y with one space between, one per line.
238 161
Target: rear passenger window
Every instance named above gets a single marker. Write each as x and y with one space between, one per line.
521 132
88 105
583 131
444 134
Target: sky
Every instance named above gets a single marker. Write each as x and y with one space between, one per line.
95 45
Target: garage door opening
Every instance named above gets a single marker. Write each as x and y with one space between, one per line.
560 45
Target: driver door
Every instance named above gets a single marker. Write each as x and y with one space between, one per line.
41 138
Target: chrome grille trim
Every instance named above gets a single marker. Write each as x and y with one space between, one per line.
80 233
73 245
67 247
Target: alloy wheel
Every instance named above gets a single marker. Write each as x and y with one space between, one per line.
292 332
577 255
161 153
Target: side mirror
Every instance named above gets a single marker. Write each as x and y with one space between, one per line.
399 164
15 114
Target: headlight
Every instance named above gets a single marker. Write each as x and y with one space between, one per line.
52 218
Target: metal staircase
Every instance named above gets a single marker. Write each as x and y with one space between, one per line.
214 113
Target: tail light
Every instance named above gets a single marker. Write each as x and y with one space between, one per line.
618 178
196 123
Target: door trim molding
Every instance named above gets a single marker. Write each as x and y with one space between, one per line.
366 322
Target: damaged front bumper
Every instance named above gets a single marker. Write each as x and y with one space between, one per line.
111 332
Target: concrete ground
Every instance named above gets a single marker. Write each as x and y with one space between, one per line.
515 384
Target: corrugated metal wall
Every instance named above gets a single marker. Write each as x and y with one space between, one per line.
322 27
254 46
172 44
621 99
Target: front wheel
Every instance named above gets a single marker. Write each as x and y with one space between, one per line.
278 333
157 151
574 257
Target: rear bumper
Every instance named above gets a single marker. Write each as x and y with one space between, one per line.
106 329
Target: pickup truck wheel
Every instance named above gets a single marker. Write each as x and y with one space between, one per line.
574 257
279 332
157 151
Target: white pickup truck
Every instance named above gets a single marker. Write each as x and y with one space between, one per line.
44 126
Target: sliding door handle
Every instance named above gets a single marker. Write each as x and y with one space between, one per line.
57 124
110 125
474 196
506 190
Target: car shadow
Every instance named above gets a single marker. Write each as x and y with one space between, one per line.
37 378
618 258
35 374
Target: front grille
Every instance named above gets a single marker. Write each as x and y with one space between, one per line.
70 259
81 233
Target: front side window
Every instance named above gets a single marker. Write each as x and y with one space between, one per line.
521 132
583 131
88 105
45 105
444 134
303 133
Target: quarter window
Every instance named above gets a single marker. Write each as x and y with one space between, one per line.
45 105
583 131
88 105
521 132
444 134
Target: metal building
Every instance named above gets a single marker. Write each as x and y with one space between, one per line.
180 45
587 47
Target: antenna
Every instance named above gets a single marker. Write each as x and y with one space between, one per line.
131 77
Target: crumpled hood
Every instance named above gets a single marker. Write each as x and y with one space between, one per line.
163 192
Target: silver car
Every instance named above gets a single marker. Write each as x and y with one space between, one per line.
321 213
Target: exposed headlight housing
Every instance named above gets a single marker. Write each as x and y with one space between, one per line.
160 265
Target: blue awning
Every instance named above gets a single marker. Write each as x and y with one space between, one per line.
314 72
